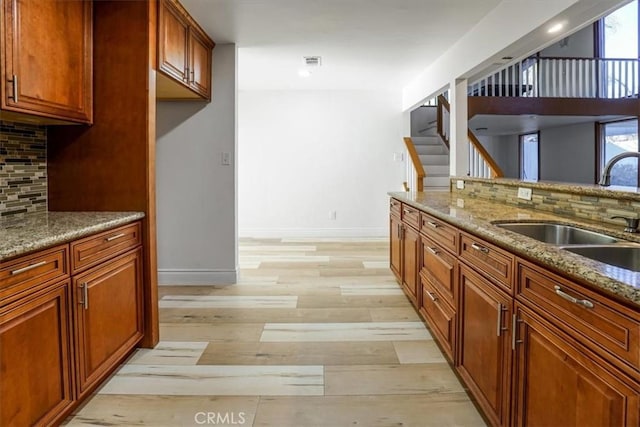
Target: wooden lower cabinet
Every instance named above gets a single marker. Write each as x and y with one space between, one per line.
558 383
107 316
36 358
440 317
395 247
410 262
484 343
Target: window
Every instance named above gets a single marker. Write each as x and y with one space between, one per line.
529 157
618 137
618 42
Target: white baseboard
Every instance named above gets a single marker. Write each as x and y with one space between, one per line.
197 277
313 232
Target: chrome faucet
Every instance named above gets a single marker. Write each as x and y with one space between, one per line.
605 179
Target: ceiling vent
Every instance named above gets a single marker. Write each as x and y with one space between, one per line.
312 61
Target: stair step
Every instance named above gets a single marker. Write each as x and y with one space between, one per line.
431 149
437 170
437 181
426 140
435 159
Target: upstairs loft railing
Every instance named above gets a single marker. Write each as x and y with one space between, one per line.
415 170
481 164
553 77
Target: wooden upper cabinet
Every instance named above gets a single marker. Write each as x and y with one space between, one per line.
47 60
184 55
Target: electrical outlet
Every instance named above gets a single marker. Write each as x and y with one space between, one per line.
460 203
332 215
524 193
225 158
460 184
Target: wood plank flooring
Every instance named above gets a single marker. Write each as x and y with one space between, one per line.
316 333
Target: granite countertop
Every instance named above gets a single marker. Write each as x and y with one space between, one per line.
476 216
20 234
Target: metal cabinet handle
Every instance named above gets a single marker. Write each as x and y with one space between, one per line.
582 302
112 238
499 327
514 331
14 83
482 249
433 224
433 250
85 295
186 75
193 77
433 298
29 267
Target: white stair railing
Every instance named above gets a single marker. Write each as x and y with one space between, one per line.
562 78
478 167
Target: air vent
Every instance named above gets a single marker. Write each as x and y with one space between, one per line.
312 61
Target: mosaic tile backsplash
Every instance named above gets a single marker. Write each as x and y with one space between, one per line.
23 168
581 201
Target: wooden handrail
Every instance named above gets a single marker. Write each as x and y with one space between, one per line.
496 172
417 164
442 103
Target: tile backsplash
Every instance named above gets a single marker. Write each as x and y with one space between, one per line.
23 168
590 202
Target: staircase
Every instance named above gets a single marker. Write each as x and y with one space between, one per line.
433 153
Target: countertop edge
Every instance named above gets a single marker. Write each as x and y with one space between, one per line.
74 233
556 260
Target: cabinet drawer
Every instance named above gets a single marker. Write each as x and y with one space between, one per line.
489 260
439 231
395 207
440 267
602 324
19 275
97 248
411 216
440 316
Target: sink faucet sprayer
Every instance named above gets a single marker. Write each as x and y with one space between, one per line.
605 179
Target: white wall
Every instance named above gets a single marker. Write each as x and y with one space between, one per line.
303 154
577 45
196 194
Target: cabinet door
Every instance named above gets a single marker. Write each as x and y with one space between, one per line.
199 64
410 262
484 343
558 384
395 255
173 32
48 49
35 356
108 316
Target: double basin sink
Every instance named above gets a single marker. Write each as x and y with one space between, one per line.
590 244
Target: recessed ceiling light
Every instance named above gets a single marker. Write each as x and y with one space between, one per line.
555 28
303 72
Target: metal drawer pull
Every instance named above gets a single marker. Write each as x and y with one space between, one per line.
499 327
117 236
433 224
14 83
514 332
582 302
29 267
433 250
434 299
85 295
477 247
408 211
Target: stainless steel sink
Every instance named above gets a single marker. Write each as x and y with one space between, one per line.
557 234
621 256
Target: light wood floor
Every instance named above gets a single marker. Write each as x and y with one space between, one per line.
316 333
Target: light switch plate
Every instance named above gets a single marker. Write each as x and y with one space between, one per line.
524 193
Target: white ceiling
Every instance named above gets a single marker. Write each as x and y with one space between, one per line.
491 125
363 43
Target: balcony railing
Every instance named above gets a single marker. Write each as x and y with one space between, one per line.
562 78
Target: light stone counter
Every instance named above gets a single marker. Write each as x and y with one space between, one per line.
475 215
21 234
